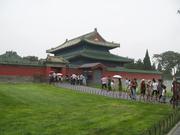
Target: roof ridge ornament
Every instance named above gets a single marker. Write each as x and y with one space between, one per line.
95 29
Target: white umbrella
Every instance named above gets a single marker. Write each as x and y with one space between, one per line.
50 72
117 76
59 74
73 76
104 78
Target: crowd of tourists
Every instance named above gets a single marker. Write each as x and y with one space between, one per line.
153 89
111 84
77 79
55 77
74 79
150 90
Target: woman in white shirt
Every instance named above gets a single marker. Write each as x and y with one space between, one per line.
154 89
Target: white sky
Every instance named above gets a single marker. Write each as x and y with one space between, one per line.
30 27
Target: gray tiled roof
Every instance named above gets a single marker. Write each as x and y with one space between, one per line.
97 55
56 59
89 65
87 38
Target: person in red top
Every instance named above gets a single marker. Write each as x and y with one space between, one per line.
143 89
133 88
175 89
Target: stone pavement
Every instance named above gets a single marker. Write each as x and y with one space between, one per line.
175 130
96 91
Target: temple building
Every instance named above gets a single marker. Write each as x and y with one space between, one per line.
90 54
89 48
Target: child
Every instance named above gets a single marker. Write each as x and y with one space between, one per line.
164 94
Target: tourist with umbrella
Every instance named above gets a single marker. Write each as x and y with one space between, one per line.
50 77
104 82
119 83
59 77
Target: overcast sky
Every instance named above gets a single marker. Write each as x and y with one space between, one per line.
30 27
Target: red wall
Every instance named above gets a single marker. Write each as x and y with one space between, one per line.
70 71
14 70
123 74
133 75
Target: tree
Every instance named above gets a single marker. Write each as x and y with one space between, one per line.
31 58
154 66
139 64
147 62
159 67
130 65
170 61
135 65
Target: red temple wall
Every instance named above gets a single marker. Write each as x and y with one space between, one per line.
70 71
146 76
14 70
133 75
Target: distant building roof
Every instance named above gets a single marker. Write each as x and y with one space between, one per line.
92 65
106 56
92 37
56 59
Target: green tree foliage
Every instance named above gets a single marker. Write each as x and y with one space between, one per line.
147 62
159 67
169 61
31 58
154 66
135 65
139 64
12 57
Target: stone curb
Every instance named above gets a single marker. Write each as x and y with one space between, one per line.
174 129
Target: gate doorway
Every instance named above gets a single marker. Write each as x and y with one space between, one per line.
93 72
97 74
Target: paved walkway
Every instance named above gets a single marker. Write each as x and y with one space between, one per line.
175 130
96 91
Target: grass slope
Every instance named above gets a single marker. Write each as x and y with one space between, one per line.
40 109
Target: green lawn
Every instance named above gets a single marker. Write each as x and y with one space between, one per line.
40 109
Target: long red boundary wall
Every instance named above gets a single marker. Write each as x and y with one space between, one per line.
30 71
17 70
125 75
133 75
